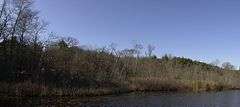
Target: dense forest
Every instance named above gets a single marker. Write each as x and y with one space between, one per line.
31 66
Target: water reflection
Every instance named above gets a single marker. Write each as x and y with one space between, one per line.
212 99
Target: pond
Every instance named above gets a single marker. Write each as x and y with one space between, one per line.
153 99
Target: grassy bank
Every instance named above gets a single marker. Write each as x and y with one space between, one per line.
116 75
134 84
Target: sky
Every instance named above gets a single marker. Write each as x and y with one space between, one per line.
203 30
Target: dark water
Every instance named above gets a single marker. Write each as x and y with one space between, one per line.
210 99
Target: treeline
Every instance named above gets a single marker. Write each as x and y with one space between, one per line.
20 48
59 66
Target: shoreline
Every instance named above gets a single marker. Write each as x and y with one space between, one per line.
104 95
110 93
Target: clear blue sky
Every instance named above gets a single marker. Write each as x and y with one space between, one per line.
204 30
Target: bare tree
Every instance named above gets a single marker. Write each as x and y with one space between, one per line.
150 49
3 8
5 19
72 42
228 66
137 49
112 47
